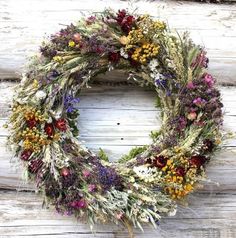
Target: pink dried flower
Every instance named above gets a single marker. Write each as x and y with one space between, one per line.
91 188
119 215
77 37
208 79
192 116
79 204
190 85
86 173
90 20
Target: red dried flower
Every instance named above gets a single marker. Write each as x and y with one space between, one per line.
160 162
120 16
208 145
127 24
197 160
49 129
125 21
35 165
25 155
114 57
31 123
61 124
180 171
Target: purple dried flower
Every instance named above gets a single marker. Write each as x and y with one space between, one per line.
161 82
47 52
69 103
199 102
108 177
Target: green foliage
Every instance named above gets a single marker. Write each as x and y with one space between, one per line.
155 134
158 102
133 153
72 121
102 155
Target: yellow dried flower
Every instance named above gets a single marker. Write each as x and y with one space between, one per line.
124 40
145 52
35 83
71 43
159 25
57 59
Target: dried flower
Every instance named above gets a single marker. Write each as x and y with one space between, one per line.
77 37
199 102
114 57
61 124
108 177
208 79
86 173
71 43
92 188
190 85
192 116
65 172
35 165
197 160
31 123
159 161
25 155
124 40
79 204
40 95
70 103
49 129
180 171
208 145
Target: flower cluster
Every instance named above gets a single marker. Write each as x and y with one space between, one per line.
147 182
144 53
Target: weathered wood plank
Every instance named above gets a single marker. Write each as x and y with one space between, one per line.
22 215
21 34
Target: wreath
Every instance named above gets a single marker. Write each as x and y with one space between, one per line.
148 182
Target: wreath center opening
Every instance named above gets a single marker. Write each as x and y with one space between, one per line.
116 117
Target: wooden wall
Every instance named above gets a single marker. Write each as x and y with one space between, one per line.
117 118
24 23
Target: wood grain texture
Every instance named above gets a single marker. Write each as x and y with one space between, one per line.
117 118
24 23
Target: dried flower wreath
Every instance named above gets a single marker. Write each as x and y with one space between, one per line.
145 184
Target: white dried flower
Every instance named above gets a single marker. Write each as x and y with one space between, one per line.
40 95
49 120
153 64
155 75
172 213
23 79
144 218
123 53
144 172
